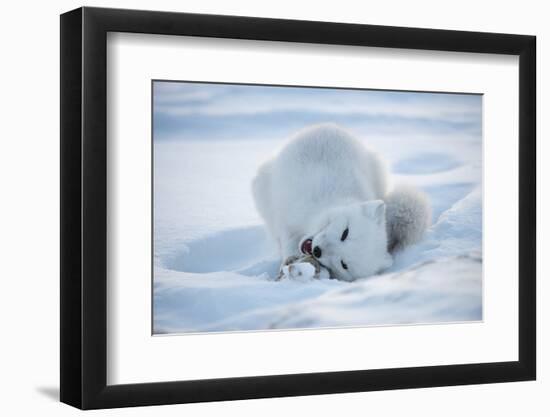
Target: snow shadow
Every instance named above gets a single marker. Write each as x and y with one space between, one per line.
426 163
246 250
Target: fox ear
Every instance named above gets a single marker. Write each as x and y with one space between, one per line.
375 209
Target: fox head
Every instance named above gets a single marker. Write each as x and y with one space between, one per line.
350 241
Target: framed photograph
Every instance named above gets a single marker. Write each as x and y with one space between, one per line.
259 208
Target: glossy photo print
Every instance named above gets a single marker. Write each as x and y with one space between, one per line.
290 207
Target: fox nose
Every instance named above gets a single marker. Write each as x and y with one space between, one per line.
317 252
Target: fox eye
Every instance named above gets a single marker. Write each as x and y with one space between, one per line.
345 234
343 263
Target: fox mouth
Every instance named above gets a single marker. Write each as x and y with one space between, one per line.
307 247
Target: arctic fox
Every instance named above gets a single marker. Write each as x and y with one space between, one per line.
323 195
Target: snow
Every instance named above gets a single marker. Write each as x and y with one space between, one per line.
303 268
215 268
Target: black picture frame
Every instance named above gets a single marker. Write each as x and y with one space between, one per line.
84 207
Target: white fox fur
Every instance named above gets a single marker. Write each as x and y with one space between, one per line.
323 194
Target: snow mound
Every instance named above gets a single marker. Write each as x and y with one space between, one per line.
436 291
426 163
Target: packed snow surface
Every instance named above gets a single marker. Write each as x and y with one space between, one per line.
215 268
